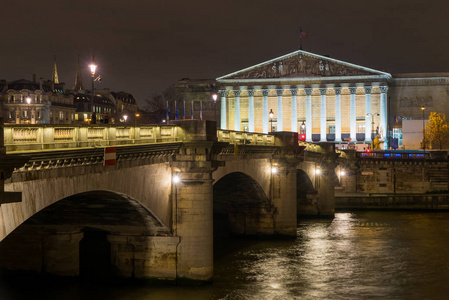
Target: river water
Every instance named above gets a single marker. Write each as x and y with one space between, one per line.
361 255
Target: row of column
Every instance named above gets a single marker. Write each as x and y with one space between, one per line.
308 122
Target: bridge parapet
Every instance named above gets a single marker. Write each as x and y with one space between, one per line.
47 137
245 138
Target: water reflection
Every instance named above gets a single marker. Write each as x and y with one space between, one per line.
368 255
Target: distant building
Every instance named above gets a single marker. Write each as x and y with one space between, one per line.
125 104
103 107
326 99
30 102
49 102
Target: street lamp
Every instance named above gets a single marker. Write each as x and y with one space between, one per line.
271 114
214 97
93 68
28 100
303 128
372 123
135 119
125 117
423 131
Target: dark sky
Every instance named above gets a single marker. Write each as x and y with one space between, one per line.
143 46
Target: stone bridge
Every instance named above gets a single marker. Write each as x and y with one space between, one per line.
155 212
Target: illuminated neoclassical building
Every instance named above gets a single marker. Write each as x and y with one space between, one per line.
327 99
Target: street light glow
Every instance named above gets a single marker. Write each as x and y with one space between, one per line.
274 170
125 117
317 171
176 179
93 68
28 99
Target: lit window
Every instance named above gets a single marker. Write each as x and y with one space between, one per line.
361 128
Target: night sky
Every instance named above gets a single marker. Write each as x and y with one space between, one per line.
144 46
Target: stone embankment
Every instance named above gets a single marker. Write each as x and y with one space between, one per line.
392 201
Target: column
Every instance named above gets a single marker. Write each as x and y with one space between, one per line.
265 110
352 114
323 121
368 115
223 124
294 128
251 110
237 110
383 127
337 114
309 122
279 123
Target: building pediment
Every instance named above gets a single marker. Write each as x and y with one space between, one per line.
302 64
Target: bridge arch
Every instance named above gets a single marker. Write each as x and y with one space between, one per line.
241 206
99 233
306 194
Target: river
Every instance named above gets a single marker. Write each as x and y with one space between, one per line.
357 255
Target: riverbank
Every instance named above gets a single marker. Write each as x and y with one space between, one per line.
434 202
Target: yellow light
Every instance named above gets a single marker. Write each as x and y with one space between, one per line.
176 179
342 173
93 68
274 170
317 171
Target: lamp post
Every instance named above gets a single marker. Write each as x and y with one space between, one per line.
214 97
423 131
93 68
135 119
372 123
271 114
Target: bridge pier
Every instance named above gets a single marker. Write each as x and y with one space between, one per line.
319 163
283 197
193 223
192 199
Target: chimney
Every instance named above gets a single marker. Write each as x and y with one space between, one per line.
34 78
40 83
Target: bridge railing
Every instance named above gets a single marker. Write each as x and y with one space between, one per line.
46 137
246 138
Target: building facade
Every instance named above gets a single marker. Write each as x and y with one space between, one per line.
31 102
325 99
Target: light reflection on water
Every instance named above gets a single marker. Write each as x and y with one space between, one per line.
366 255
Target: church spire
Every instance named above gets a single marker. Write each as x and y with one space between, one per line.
54 75
78 79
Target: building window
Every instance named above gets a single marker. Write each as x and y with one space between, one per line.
11 99
38 99
11 114
331 129
361 128
397 134
61 115
38 114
